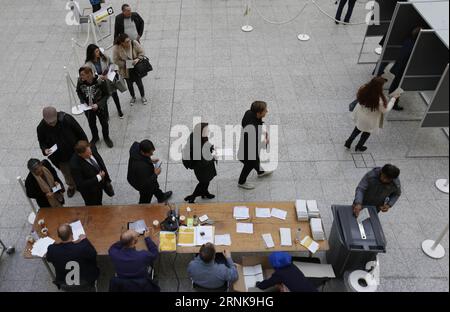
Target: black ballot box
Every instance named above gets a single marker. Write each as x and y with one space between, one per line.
351 248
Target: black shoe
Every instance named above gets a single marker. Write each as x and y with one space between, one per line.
209 196
94 140
397 107
337 22
109 143
120 115
167 195
71 192
360 148
190 199
348 144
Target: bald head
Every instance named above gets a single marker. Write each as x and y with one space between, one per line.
129 238
65 232
50 115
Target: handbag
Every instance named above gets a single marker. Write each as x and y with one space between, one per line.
143 67
120 83
352 105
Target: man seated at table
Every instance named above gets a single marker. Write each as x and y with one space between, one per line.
80 252
287 277
206 272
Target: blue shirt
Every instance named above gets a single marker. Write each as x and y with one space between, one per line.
212 275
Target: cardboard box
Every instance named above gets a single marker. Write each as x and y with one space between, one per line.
239 285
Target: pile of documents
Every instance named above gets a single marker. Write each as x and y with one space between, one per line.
40 247
302 211
195 236
253 274
278 213
222 240
138 226
241 213
286 238
308 243
317 229
77 230
167 241
313 210
244 228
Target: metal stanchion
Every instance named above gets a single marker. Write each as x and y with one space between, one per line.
32 215
442 185
434 249
247 27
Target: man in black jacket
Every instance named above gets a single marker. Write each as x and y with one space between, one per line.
90 174
250 144
130 23
62 130
142 174
81 252
94 93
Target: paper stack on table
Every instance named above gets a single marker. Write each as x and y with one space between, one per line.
245 228
77 229
252 274
186 236
167 241
241 213
310 244
317 229
279 214
204 234
313 210
40 247
268 240
302 211
263 213
223 240
286 238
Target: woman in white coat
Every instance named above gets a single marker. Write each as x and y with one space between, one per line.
369 112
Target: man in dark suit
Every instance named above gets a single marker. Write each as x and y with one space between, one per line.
351 6
130 23
142 174
81 251
62 130
90 174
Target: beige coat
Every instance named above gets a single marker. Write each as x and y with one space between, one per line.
120 57
370 121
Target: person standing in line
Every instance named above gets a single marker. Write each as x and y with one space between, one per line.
250 144
351 6
126 54
100 64
130 23
63 131
199 153
96 5
369 112
93 92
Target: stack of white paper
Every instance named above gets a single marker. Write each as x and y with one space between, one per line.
313 210
246 228
223 240
279 214
77 229
40 247
203 235
317 229
268 240
286 238
263 213
302 211
241 213
253 274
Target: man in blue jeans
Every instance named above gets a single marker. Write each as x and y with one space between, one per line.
351 5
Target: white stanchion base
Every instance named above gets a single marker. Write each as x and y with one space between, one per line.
303 37
77 111
378 50
247 28
437 253
31 218
442 185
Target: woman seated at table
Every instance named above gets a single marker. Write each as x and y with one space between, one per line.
287 277
40 181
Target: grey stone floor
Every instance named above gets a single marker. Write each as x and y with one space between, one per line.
206 66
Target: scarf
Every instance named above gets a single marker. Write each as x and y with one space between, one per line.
46 182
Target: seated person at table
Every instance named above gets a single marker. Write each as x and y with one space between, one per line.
205 272
40 181
80 251
129 262
287 277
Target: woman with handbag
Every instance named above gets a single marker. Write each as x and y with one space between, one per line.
369 112
126 54
100 64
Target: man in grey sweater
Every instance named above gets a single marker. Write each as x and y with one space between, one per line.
380 187
205 272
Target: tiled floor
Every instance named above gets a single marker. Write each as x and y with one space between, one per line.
206 66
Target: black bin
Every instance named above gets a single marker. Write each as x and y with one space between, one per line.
348 250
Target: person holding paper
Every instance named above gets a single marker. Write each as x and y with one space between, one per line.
126 51
369 112
130 23
250 144
199 152
90 174
40 183
101 65
206 272
93 92
68 250
287 277
380 187
142 174
61 131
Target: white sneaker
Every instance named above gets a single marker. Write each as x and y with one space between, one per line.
132 101
144 100
246 186
265 174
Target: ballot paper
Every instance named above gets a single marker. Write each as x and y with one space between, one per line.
263 213
158 164
302 211
203 235
52 149
252 275
56 188
286 238
111 74
84 107
129 64
77 230
222 240
138 226
167 241
241 213
186 236
279 214
363 215
313 210
203 218
268 240
308 243
40 246
317 229
245 228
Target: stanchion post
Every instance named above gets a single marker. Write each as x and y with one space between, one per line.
434 249
304 36
442 185
33 213
247 27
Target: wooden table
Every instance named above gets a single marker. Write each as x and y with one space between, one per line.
224 223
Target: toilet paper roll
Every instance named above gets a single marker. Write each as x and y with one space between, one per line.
361 281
